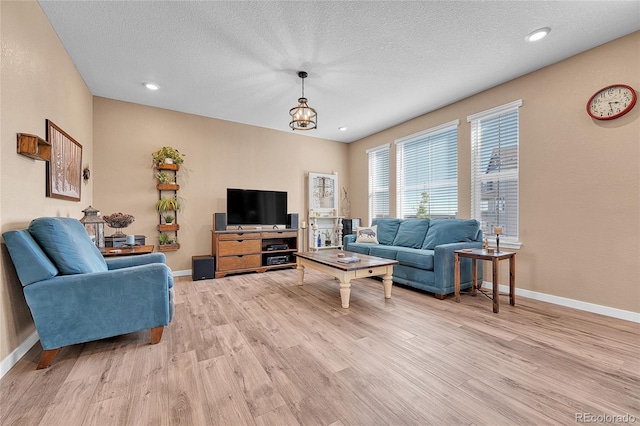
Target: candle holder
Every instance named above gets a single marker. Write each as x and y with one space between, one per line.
498 231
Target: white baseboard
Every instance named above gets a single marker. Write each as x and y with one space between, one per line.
184 273
571 303
18 353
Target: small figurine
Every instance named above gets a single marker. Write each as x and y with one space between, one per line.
485 244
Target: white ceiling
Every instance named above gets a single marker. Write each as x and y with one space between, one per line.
371 64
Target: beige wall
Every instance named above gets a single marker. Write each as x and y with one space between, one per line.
218 155
579 178
38 82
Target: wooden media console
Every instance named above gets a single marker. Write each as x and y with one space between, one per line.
253 250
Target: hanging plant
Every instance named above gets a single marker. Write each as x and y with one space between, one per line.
167 152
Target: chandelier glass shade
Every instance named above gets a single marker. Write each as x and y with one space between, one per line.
303 117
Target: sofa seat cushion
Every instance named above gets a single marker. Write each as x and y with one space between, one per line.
387 229
416 258
67 244
362 248
446 231
387 252
411 233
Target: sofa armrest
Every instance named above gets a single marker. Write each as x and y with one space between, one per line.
444 264
348 239
70 309
120 262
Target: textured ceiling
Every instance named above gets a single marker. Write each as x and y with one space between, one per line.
371 65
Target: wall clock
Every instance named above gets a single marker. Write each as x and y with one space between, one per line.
611 102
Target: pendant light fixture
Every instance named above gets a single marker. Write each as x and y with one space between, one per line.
303 117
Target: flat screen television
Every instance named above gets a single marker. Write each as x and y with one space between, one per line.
256 207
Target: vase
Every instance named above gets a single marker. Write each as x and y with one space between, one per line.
119 233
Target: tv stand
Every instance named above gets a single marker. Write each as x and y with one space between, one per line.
255 250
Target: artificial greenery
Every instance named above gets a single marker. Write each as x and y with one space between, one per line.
164 238
167 152
168 219
422 212
168 204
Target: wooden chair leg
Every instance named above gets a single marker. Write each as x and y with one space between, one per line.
47 358
156 334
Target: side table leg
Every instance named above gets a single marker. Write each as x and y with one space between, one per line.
456 276
474 276
300 269
345 292
512 280
496 287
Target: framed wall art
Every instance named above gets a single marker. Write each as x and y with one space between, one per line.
64 170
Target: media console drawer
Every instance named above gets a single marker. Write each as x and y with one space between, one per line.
280 234
227 248
231 263
239 236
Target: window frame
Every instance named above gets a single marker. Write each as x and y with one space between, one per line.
381 189
401 186
477 177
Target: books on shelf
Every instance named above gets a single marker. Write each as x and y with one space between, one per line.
350 259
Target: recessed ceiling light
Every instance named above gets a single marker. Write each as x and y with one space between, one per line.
342 128
151 86
538 34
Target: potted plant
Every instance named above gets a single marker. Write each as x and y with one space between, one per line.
169 155
327 238
168 204
164 177
168 219
164 239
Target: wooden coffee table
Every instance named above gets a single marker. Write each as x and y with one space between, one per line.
327 261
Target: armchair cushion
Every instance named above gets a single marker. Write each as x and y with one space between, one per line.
66 242
32 264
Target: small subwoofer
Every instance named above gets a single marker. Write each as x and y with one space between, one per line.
349 226
202 267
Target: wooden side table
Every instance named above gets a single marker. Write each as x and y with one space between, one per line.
495 257
127 251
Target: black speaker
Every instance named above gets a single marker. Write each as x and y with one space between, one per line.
202 267
350 226
292 221
220 220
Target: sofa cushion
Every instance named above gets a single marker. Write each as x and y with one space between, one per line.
66 242
362 248
32 264
445 231
387 229
411 233
416 258
367 234
387 252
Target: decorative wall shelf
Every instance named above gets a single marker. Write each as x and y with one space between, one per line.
325 226
168 247
167 187
165 166
168 228
34 147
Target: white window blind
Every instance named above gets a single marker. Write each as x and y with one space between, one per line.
427 173
494 169
379 181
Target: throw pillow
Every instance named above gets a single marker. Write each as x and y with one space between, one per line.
367 235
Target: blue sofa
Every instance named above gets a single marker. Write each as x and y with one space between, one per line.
77 296
424 249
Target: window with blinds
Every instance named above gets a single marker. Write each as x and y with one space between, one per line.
494 169
378 181
427 173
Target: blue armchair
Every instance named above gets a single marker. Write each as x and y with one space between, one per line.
77 296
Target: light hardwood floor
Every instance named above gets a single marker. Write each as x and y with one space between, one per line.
257 349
